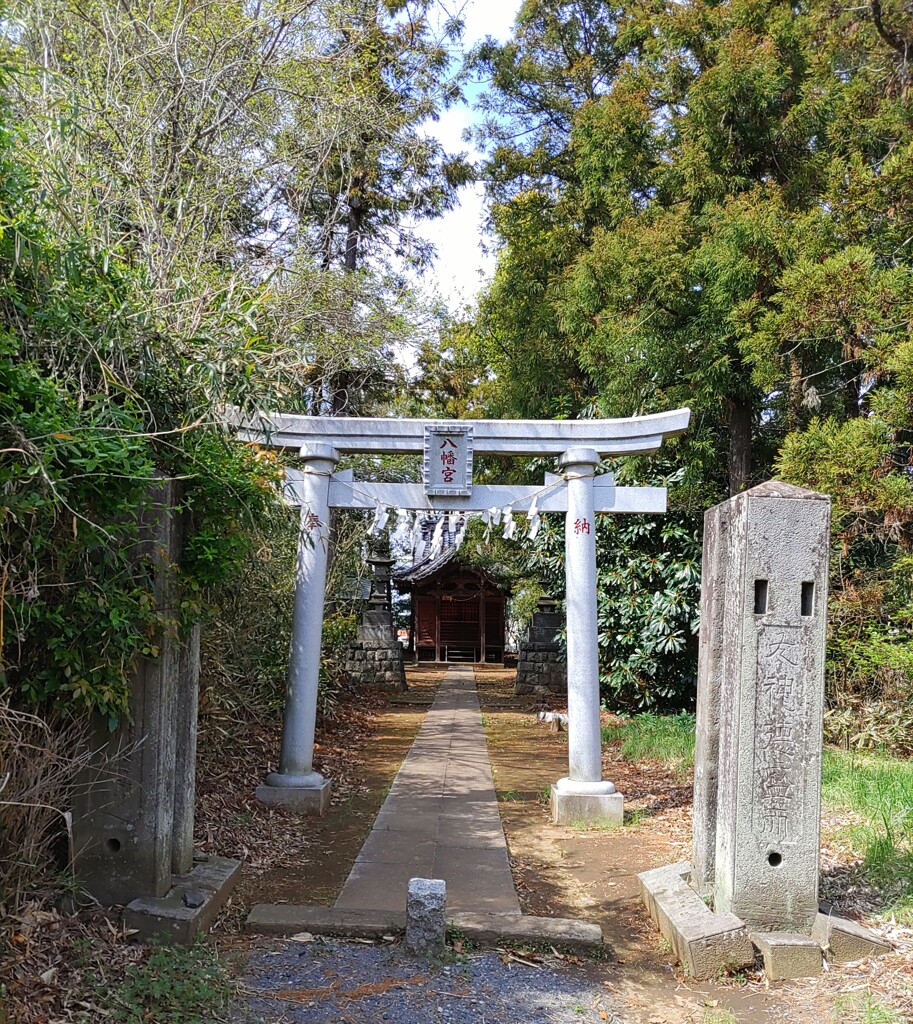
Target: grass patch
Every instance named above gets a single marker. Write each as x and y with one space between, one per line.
880 788
651 737
721 1016
173 985
876 786
864 1008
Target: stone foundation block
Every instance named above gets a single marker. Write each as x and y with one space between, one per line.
426 916
706 944
311 801
788 955
289 918
670 876
486 929
493 929
376 665
587 808
845 940
190 906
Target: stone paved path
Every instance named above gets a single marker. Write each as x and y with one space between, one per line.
440 819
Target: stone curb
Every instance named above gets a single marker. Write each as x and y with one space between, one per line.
287 919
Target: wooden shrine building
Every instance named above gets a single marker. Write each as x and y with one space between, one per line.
458 613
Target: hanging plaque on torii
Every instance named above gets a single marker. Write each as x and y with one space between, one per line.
447 466
448 450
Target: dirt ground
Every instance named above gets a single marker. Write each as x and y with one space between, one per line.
591 874
288 859
559 871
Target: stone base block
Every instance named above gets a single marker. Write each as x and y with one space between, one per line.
845 940
587 808
486 929
311 801
376 663
191 905
706 944
788 955
651 883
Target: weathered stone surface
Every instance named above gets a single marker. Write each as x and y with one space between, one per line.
133 805
490 929
312 801
540 668
788 955
376 665
714 564
185 767
771 672
426 916
844 940
376 627
662 879
189 907
587 808
706 944
288 919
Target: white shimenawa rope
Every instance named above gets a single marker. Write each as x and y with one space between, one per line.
458 521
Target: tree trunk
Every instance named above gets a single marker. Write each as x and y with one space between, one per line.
795 394
739 464
353 233
851 407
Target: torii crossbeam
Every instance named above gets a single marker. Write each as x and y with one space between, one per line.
448 448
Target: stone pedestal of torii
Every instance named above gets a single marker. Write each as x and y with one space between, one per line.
448 447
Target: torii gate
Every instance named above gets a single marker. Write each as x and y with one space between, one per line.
448 448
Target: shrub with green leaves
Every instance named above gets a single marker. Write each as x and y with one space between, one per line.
81 443
648 598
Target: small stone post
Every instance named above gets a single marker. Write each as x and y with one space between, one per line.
296 785
583 795
774 569
426 916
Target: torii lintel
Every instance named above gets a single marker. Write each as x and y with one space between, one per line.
634 435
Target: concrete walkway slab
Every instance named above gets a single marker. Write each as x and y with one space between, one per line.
440 818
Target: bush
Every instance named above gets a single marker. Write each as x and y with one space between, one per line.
39 763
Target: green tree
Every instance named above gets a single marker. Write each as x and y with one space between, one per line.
724 223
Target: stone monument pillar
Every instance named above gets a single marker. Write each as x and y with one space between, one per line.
296 785
133 809
540 668
375 660
583 795
769 667
757 780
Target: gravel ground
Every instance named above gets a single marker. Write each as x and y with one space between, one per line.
334 981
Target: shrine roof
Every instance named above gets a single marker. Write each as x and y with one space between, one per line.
426 568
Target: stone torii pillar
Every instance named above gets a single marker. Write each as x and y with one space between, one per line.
583 795
296 785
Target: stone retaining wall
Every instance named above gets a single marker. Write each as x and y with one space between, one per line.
540 670
376 665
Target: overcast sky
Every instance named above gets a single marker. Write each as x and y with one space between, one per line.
461 267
